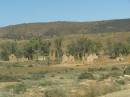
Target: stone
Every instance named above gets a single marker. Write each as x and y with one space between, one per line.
88 59
68 59
13 58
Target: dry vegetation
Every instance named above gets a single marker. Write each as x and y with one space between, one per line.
35 78
52 29
21 80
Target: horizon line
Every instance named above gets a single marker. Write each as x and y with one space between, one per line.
53 21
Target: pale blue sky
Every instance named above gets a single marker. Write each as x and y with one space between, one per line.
25 11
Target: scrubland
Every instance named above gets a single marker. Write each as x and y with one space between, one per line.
39 80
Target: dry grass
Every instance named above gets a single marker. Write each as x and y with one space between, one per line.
42 80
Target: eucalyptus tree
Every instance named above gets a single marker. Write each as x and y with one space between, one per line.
58 49
118 49
79 48
8 48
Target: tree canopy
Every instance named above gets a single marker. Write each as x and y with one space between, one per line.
83 46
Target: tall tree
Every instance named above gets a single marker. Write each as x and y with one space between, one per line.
45 48
32 47
83 46
58 49
118 49
8 48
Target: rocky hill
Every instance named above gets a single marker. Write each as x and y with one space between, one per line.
51 29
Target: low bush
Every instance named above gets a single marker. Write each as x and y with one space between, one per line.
7 78
115 68
6 94
115 73
36 76
127 71
55 93
100 88
47 83
103 76
18 88
92 69
120 81
86 75
102 69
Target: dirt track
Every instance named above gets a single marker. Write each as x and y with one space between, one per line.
123 93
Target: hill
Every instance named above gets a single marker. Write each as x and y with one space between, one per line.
52 29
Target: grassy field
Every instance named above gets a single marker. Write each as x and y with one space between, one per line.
22 80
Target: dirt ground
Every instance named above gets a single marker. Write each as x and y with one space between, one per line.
123 93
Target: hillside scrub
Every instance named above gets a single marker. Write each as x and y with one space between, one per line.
51 29
79 48
118 49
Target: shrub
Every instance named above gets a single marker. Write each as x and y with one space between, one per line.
92 69
115 68
102 69
127 70
115 73
47 83
55 93
103 76
117 49
37 76
86 75
120 81
6 94
7 78
100 88
18 88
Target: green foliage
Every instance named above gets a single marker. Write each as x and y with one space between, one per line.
20 52
117 49
38 47
18 88
37 76
4 55
7 49
55 93
83 46
29 51
35 46
32 47
45 48
86 75
127 70
120 81
58 49
7 78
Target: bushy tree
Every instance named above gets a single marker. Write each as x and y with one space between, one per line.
79 48
8 48
20 52
45 48
37 47
118 49
58 49
32 47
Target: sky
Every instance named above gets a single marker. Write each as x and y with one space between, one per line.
28 11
